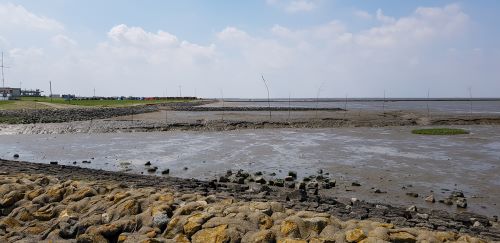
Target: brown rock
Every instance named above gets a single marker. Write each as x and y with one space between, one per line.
211 235
355 235
263 236
402 236
290 228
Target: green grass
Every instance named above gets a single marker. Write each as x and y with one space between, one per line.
17 105
440 131
102 103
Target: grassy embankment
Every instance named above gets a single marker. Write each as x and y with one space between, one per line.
34 103
440 131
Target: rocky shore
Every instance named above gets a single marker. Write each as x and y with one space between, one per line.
68 115
41 202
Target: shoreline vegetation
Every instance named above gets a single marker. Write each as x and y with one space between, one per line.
42 202
440 131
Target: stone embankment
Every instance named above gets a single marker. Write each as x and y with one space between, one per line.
43 208
70 114
71 204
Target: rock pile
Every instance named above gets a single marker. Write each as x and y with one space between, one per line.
73 114
43 208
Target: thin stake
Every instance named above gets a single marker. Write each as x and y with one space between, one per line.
345 106
268 99
317 98
428 110
470 100
222 95
383 104
289 107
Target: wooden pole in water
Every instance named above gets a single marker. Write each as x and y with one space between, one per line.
317 98
470 100
345 106
428 110
222 95
268 99
289 107
383 103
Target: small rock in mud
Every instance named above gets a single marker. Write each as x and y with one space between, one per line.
165 172
292 174
461 202
412 194
355 184
148 163
151 170
53 162
16 156
430 198
86 162
446 201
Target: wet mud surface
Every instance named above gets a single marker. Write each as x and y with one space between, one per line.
390 159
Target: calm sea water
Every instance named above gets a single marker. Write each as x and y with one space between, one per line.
458 106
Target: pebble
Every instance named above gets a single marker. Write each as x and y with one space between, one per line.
461 202
430 199
355 184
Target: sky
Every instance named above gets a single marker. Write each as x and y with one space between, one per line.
303 48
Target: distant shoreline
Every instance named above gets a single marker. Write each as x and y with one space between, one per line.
357 99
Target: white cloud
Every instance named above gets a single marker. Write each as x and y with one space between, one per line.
400 54
362 14
63 41
424 25
383 18
16 16
294 6
300 6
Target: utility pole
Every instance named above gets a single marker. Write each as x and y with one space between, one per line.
180 91
3 76
94 92
50 86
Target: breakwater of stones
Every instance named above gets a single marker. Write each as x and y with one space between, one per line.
70 114
229 186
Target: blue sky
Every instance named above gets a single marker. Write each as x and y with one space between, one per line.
354 47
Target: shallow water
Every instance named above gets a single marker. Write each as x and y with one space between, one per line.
385 158
490 107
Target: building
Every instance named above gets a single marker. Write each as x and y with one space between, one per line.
31 92
7 93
